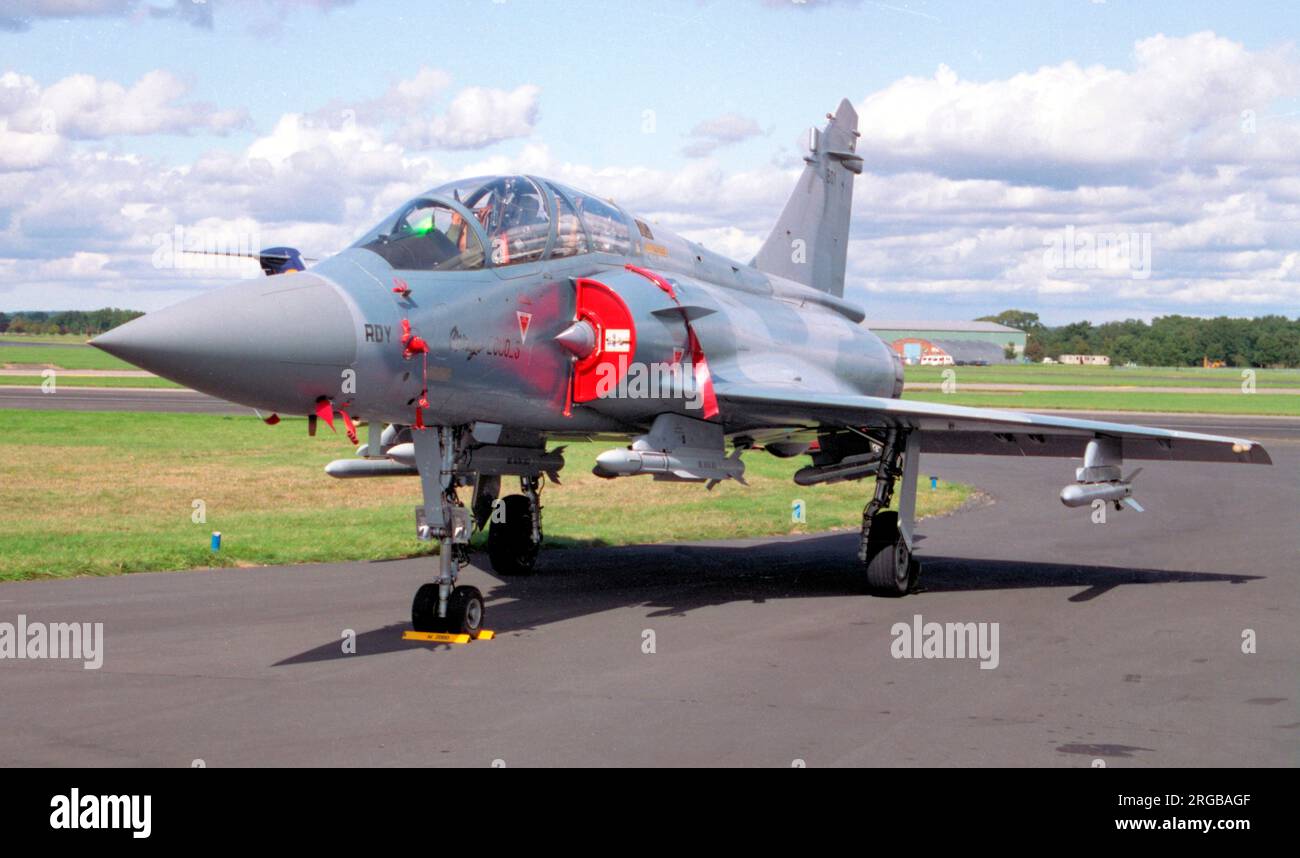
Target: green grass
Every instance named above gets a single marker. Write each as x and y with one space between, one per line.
1089 400
69 339
63 357
1228 378
63 381
106 493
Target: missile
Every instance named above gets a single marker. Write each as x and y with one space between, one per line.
348 469
403 453
1083 494
851 468
516 461
498 459
685 464
490 459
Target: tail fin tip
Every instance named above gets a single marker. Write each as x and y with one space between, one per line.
809 243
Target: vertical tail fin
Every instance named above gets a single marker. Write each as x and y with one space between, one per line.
810 241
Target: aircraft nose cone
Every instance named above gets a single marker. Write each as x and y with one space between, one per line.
275 344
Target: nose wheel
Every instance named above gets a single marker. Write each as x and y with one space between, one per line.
465 610
441 605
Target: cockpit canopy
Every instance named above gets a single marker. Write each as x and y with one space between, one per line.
516 218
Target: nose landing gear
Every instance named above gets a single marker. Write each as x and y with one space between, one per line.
447 457
441 606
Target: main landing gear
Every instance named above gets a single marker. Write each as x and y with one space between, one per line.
515 534
885 546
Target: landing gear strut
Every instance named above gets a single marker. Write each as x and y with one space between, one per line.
515 535
885 546
442 606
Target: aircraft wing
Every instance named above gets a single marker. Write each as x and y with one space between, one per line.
977 431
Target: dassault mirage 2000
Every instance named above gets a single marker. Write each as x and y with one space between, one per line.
491 316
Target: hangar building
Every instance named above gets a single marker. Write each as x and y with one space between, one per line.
965 342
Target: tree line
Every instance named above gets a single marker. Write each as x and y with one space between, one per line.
88 322
1265 341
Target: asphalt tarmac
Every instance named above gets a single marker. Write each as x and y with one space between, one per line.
1120 642
64 398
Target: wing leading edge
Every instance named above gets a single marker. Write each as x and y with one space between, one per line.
980 431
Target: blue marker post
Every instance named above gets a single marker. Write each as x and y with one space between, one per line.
934 482
216 540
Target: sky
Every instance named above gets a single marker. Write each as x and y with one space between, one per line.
1078 159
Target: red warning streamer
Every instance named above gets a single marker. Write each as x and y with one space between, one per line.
412 346
325 411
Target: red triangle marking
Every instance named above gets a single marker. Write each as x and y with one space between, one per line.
525 319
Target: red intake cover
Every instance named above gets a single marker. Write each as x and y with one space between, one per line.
605 311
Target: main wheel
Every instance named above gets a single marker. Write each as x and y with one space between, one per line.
465 611
890 568
424 609
510 542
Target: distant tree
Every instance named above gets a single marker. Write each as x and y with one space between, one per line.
1266 341
1021 320
86 322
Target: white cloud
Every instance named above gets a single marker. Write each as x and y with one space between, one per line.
477 117
20 15
710 135
945 223
1183 104
21 150
415 113
81 106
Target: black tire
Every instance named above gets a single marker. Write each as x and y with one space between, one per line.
890 568
465 611
510 542
424 609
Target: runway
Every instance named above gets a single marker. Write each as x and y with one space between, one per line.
64 398
1119 642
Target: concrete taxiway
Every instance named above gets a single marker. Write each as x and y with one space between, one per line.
1120 642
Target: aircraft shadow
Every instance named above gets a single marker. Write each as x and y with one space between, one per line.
374 642
675 579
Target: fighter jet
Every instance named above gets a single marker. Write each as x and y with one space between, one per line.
488 319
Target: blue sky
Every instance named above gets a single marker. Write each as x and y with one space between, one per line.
989 129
